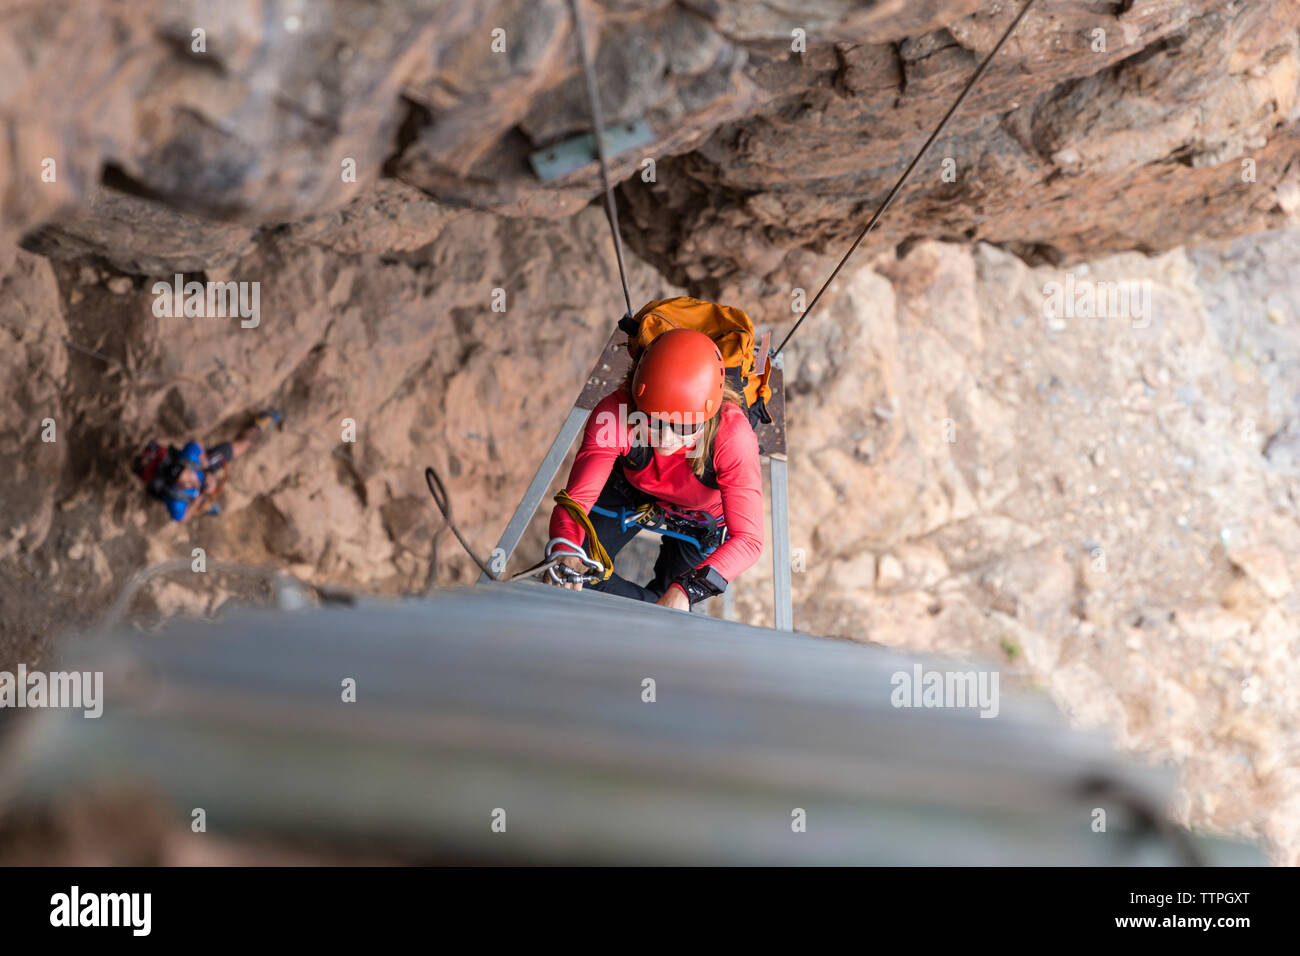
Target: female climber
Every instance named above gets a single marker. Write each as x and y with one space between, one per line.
673 442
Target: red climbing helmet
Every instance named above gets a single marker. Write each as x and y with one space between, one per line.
680 377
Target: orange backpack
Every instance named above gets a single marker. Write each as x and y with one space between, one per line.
729 327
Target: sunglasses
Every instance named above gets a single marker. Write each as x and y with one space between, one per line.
681 430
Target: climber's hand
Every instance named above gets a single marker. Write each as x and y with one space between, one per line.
575 562
675 598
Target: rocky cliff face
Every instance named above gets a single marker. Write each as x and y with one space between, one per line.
1107 504
1102 126
401 353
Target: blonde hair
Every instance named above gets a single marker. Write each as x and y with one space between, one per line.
704 444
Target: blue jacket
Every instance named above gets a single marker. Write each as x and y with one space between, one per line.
178 506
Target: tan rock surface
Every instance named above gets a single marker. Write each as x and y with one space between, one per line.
1087 500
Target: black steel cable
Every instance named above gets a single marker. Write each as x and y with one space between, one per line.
598 134
443 501
907 172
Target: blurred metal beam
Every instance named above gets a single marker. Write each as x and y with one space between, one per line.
531 700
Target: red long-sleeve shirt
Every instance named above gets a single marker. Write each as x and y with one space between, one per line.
669 478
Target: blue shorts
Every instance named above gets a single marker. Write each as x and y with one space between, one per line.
221 454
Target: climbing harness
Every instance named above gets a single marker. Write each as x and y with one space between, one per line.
700 528
708 536
598 563
898 186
